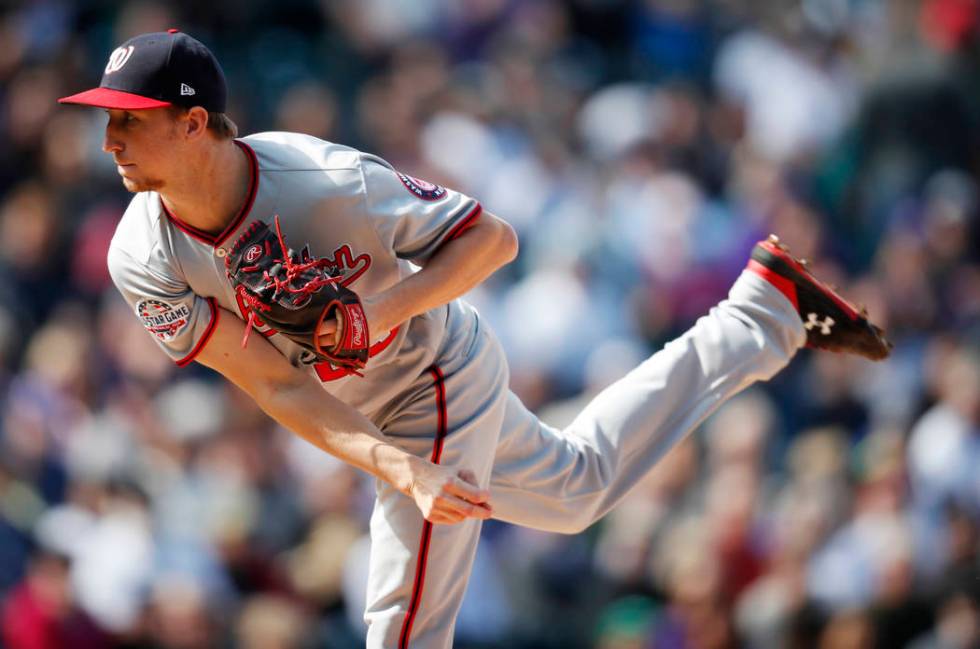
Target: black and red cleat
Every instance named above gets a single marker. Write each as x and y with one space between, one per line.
831 323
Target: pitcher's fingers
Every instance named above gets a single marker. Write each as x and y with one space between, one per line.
466 487
468 492
328 327
454 506
439 518
339 319
446 517
446 520
327 333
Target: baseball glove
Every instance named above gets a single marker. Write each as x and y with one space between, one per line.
294 293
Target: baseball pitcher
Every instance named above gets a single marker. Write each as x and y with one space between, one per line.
324 283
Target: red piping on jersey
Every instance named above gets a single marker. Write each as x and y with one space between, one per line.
785 286
468 221
212 325
440 385
327 373
419 583
253 188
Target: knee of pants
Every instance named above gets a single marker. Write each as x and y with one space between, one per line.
576 523
558 515
595 473
555 521
579 515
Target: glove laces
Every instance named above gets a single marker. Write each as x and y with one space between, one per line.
281 277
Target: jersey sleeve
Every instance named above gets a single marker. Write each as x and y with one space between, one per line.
411 216
179 320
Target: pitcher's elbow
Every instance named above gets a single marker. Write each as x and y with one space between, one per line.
509 245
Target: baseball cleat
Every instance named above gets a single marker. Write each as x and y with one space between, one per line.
831 322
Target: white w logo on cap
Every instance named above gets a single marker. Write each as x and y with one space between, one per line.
118 59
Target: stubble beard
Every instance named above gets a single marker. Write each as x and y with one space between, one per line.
138 186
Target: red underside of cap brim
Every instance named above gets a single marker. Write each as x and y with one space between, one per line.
109 98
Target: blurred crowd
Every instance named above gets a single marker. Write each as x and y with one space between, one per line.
639 148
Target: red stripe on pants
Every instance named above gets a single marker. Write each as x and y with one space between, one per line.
416 598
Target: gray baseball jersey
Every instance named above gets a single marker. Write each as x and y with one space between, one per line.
437 386
352 208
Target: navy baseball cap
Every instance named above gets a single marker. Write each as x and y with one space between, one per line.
155 70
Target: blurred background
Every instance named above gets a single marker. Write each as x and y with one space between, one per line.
639 147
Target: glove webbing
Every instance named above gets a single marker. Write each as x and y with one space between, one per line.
279 281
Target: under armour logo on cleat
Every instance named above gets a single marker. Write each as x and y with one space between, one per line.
812 322
186 90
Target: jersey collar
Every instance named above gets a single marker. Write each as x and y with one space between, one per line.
253 189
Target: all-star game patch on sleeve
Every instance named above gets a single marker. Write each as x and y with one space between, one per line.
412 216
178 319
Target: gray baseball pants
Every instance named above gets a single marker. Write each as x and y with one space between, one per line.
462 414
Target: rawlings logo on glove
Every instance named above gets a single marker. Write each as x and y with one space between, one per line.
295 293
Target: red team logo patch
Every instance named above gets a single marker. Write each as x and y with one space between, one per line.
348 265
421 188
163 320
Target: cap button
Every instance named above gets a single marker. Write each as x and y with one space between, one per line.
172 31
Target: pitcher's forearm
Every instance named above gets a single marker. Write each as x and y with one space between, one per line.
295 399
457 267
340 430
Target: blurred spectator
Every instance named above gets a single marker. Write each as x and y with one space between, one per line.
40 612
270 622
113 559
626 623
180 616
944 447
308 108
849 629
957 623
